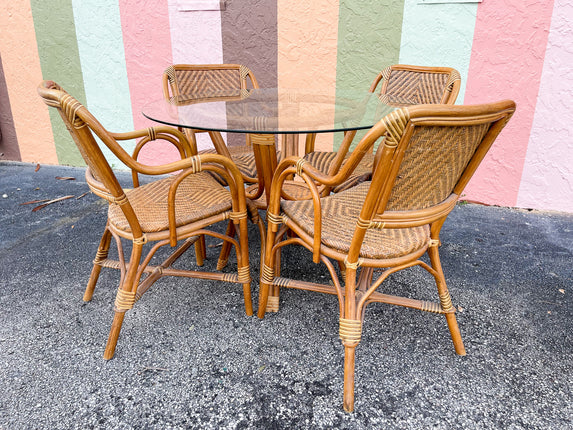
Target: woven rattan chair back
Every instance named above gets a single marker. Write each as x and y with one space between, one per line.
206 80
428 155
215 81
409 84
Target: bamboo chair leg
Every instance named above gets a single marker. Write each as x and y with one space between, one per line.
446 301
248 299
200 251
125 300
102 252
226 247
113 335
267 273
348 398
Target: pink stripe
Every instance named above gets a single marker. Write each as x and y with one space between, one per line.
147 44
548 172
509 45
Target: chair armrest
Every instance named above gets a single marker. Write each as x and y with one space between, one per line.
165 133
220 165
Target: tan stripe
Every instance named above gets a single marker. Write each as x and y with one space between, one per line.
22 71
307 51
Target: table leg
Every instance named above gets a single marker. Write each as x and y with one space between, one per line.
265 159
290 144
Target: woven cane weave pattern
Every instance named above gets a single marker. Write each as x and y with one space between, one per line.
198 196
243 158
203 83
340 214
432 165
323 160
419 87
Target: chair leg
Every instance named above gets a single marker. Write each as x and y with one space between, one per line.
248 299
124 300
101 255
113 335
267 272
446 301
200 250
349 355
226 247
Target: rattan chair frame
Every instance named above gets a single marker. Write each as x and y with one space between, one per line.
413 85
378 212
180 235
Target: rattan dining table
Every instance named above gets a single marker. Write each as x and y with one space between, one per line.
264 113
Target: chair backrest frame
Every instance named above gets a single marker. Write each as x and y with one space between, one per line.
81 123
401 129
200 79
441 84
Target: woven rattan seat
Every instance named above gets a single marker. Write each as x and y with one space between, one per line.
205 81
322 160
340 213
426 157
243 157
198 196
176 210
400 85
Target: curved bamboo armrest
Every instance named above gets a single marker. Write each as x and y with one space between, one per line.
220 165
151 134
314 179
168 134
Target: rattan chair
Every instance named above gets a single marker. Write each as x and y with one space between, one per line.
400 85
174 210
205 81
427 156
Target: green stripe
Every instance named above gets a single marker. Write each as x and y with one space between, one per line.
369 35
60 62
439 35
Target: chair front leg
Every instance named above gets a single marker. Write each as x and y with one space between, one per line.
243 267
267 270
446 301
124 300
350 332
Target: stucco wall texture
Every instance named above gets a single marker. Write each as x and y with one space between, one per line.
110 54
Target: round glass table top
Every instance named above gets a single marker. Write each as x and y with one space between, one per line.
272 110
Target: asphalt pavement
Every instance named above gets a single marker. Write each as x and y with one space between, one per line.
189 357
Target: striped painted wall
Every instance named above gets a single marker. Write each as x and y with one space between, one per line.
110 54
